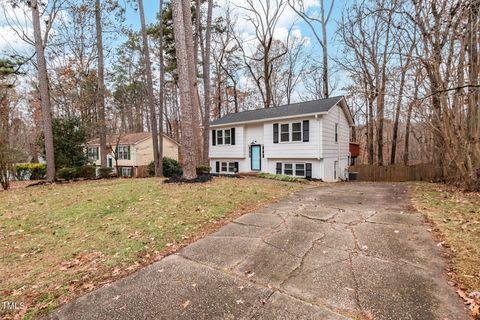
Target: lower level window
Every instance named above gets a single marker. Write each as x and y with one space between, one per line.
294 169
126 172
227 167
288 169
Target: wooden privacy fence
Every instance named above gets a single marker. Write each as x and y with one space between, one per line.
397 172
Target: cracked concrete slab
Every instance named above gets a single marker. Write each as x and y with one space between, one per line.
173 288
331 252
331 284
282 306
296 243
261 220
411 244
234 229
389 288
220 252
268 265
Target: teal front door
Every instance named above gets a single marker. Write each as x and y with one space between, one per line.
256 164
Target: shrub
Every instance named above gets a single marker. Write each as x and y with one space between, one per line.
34 171
67 173
281 177
171 168
86 172
39 171
203 170
105 172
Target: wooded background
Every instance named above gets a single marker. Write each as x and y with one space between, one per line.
409 70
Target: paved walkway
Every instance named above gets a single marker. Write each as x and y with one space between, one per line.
346 251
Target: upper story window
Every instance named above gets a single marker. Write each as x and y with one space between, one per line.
93 153
223 137
336 132
284 132
297 131
291 132
123 152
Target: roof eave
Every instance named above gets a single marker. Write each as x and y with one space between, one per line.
268 119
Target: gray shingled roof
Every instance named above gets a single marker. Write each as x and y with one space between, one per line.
323 105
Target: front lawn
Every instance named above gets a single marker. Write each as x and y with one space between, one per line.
455 216
60 241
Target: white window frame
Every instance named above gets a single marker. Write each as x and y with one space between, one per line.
126 171
223 133
93 153
290 132
294 169
122 152
229 167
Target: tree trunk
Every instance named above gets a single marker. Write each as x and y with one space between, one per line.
186 87
150 97
192 68
206 84
161 98
324 52
44 91
397 118
102 126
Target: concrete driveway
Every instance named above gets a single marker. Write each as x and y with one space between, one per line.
337 252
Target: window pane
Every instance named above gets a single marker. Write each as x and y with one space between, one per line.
297 131
288 169
224 167
231 167
227 136
219 136
284 133
300 169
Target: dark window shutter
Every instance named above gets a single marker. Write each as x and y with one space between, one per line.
214 137
217 166
308 170
279 168
236 166
250 151
232 136
306 130
275 133
128 152
97 156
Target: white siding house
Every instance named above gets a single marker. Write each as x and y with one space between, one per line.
309 139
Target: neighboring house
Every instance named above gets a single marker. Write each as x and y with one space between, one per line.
308 139
135 152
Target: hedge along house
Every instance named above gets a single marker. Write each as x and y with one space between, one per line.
134 152
307 139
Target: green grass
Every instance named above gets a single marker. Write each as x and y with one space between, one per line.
281 177
456 217
60 241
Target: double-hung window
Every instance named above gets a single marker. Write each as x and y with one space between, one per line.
123 152
227 136
284 132
291 132
93 153
224 137
220 137
227 167
297 131
300 169
288 169
294 169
